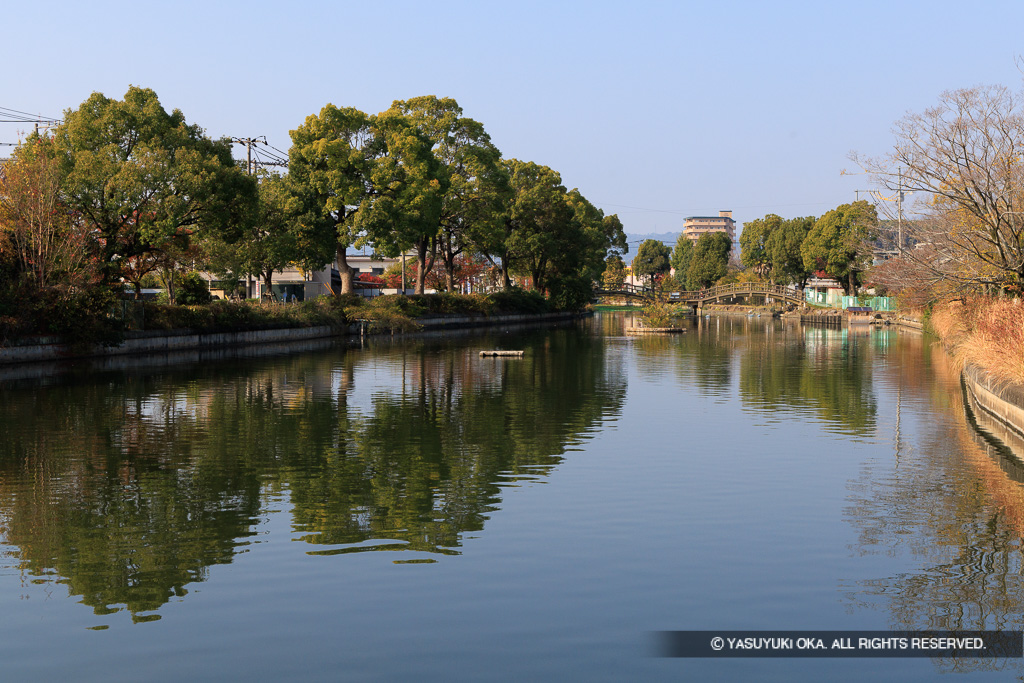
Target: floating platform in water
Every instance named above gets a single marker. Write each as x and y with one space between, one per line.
511 354
654 330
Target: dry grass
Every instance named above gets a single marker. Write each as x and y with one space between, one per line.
985 332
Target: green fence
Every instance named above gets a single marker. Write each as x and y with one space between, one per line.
875 303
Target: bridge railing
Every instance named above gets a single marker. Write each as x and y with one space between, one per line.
711 293
737 288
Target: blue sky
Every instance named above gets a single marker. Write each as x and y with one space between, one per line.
654 110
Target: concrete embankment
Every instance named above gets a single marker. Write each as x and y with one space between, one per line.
161 342
1003 403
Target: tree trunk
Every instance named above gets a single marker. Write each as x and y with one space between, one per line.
268 283
449 271
341 258
421 266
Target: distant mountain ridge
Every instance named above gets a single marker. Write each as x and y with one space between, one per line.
668 238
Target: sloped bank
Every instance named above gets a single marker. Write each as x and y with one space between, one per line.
156 342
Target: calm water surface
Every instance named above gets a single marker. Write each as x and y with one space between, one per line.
409 510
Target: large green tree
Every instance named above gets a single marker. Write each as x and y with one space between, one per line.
783 249
710 260
681 257
652 259
138 177
835 244
404 192
534 231
586 243
754 239
330 159
477 184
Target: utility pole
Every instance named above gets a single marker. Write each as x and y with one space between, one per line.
248 142
899 214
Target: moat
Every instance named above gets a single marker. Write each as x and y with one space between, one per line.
410 510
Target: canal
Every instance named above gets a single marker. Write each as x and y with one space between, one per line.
409 510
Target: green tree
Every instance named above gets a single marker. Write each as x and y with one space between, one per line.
535 223
585 243
405 190
267 245
783 248
614 272
710 260
477 190
330 160
681 257
138 177
651 260
192 289
615 235
835 243
754 243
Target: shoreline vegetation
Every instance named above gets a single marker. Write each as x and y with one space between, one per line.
986 333
383 314
123 194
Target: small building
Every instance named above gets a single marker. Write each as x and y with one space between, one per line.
824 291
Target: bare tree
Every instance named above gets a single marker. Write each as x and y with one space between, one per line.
967 156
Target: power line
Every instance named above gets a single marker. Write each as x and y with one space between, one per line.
254 157
8 115
683 213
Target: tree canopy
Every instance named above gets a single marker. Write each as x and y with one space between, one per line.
651 260
477 184
710 260
754 243
329 159
406 188
139 177
783 251
836 243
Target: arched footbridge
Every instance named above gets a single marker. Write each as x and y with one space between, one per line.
697 298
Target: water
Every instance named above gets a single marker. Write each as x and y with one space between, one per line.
412 511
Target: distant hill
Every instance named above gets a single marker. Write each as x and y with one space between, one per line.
668 238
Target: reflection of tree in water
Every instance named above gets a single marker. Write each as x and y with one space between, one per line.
109 491
953 508
132 489
434 454
810 371
703 356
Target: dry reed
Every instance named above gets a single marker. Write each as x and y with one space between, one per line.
985 332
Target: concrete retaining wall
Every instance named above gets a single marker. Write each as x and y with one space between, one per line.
1004 403
159 342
